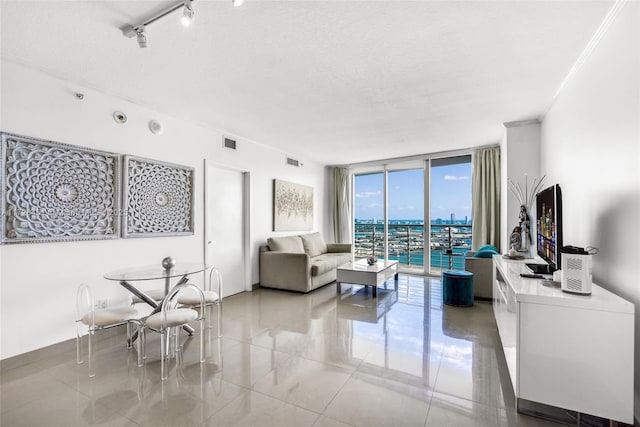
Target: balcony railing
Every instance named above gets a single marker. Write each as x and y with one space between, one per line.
407 246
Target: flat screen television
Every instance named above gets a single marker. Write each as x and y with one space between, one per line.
549 225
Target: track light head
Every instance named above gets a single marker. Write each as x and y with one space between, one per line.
141 36
237 3
187 14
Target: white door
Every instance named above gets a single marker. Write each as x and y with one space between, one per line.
225 227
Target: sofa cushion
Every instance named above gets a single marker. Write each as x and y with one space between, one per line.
290 244
314 244
327 262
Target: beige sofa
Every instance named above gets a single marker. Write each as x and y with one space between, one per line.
301 263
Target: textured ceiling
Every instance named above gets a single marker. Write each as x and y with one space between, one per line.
331 81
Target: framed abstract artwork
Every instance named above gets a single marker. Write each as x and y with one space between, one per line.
58 192
158 198
292 206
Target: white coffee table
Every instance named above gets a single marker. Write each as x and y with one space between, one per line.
360 273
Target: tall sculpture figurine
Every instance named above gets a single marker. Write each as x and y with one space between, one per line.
526 197
515 240
524 227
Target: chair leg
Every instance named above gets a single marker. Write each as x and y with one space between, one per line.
129 344
202 342
163 354
92 355
140 330
144 343
176 339
210 316
219 319
79 356
169 343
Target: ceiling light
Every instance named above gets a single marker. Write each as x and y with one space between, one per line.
237 3
187 14
141 37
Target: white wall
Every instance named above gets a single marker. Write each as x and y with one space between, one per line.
38 281
519 158
591 147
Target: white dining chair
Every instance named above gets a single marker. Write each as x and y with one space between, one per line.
212 296
169 320
88 317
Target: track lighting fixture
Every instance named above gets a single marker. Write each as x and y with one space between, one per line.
187 14
141 36
139 32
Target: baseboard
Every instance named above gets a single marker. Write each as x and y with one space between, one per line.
255 286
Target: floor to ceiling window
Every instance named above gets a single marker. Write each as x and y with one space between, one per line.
369 215
450 224
389 214
405 208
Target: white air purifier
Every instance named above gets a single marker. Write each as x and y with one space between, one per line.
576 273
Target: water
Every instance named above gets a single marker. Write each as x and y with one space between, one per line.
406 241
438 260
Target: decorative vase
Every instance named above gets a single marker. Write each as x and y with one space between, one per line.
372 260
168 263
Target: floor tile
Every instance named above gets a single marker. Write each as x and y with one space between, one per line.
79 410
305 383
255 409
246 364
328 422
287 359
451 411
366 400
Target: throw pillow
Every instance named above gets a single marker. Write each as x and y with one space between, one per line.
493 248
290 244
314 244
485 253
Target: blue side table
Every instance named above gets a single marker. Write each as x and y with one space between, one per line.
457 288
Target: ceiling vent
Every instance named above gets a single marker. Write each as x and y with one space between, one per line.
293 162
229 143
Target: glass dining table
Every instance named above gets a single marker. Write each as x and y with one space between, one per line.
155 272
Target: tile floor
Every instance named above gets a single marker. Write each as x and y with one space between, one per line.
288 359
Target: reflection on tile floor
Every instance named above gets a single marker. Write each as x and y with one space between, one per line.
288 359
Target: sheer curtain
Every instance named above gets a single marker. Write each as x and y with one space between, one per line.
341 205
486 197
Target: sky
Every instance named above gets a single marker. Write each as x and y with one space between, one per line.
450 193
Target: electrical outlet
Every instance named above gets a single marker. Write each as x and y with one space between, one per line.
105 303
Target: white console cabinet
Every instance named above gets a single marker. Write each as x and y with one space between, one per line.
569 351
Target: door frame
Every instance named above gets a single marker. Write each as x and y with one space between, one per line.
246 219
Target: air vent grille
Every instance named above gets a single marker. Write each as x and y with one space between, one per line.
574 284
574 264
293 162
229 143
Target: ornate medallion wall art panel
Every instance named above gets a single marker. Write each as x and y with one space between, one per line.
292 206
58 192
158 198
